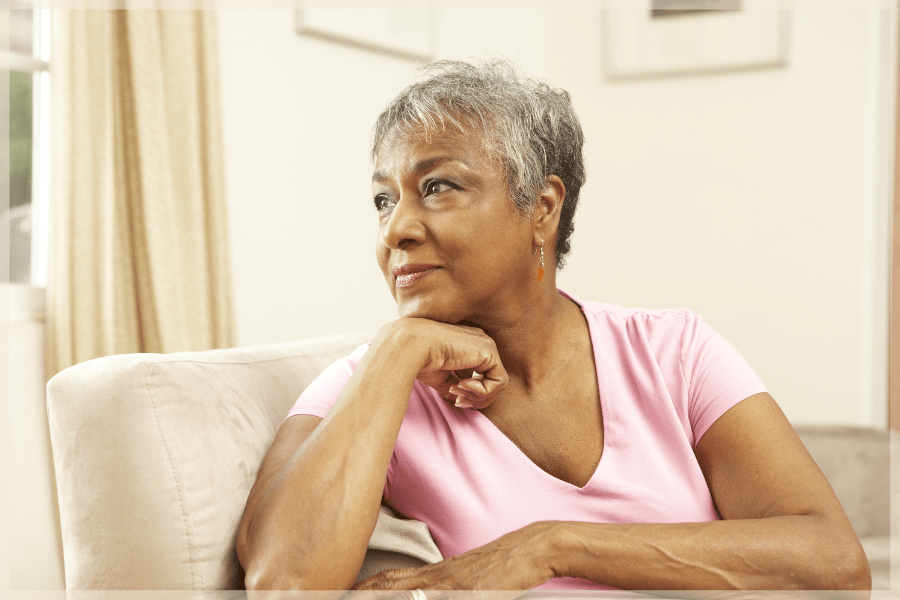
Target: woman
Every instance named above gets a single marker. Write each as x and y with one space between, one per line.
544 440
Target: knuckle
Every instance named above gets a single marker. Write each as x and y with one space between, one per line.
388 579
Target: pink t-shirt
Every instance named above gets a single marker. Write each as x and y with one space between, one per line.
664 377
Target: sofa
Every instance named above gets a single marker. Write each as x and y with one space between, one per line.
154 456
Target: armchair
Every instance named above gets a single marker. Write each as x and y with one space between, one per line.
155 455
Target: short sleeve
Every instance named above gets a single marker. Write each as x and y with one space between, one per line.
318 398
717 376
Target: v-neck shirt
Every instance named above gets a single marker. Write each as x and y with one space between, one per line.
664 377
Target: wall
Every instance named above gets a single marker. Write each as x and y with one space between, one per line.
750 198
753 198
36 561
297 113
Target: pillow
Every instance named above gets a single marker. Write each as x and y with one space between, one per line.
155 455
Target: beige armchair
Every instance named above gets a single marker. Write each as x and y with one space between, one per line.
155 455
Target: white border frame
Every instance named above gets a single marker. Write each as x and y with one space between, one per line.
372 39
638 46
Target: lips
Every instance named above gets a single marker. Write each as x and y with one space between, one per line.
407 275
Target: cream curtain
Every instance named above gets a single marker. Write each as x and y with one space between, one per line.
139 252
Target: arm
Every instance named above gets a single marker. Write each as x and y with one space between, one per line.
316 497
782 528
315 502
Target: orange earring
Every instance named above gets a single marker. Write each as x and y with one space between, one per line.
541 268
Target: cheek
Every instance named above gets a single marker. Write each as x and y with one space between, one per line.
381 253
504 254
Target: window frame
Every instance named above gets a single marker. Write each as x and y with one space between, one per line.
38 64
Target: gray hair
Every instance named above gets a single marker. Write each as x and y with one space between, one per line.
530 128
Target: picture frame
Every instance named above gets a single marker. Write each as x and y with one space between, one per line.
640 44
403 33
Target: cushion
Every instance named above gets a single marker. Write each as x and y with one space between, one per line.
398 543
856 461
155 456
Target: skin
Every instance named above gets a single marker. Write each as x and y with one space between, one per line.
442 202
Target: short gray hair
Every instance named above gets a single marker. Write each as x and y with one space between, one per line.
529 127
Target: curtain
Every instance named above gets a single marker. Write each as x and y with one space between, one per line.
139 251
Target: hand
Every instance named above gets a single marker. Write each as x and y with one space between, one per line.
515 561
461 363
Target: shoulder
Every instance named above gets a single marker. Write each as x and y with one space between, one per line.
653 325
673 338
679 333
622 314
613 313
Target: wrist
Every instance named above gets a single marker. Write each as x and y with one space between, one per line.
403 347
549 552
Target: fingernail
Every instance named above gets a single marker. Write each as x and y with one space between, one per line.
460 403
455 390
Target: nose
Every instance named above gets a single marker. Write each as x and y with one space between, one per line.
404 226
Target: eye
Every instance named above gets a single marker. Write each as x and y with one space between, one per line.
383 202
436 186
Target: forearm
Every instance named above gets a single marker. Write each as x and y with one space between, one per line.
787 552
311 526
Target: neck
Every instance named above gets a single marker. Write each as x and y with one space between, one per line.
537 337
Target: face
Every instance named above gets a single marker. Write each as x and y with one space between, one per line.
451 244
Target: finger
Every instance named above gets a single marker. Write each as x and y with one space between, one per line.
392 579
446 389
492 382
465 388
461 402
440 382
466 398
447 396
484 387
485 379
463 398
468 401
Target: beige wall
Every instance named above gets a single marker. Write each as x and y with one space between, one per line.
298 113
750 198
33 531
756 199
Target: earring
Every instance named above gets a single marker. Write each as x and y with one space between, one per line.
541 268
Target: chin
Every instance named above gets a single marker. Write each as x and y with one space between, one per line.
422 309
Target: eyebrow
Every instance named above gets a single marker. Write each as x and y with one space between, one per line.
423 165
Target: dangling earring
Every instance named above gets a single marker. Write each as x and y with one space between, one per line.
541 268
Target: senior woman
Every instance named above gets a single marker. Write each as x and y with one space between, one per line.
546 441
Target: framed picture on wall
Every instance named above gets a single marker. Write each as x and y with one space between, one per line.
657 38
405 33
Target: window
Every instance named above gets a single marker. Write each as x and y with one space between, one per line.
26 217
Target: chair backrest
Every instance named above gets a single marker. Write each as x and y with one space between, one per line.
155 456
857 463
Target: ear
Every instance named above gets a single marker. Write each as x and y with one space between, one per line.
545 218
